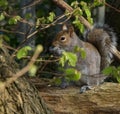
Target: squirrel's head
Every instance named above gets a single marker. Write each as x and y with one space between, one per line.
62 40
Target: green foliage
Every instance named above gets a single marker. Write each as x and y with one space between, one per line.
75 4
23 52
14 20
45 20
51 17
4 37
33 70
81 51
3 4
70 57
83 8
87 11
113 71
72 74
98 3
57 81
2 17
28 16
78 24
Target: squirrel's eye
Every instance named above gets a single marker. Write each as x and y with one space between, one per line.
62 38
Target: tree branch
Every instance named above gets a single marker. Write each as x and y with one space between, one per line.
67 7
22 71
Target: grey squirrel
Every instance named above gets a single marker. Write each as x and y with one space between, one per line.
98 54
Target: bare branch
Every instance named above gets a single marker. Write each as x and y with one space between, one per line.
9 31
33 3
112 7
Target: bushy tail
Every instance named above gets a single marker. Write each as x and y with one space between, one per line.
105 40
114 50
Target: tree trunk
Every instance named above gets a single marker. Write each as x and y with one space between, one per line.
19 97
22 98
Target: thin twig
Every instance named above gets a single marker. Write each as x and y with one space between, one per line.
9 31
21 20
112 7
33 4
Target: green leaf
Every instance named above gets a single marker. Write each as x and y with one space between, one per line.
82 3
23 52
113 71
14 20
28 15
39 21
74 4
51 17
78 12
72 74
118 68
79 25
33 70
83 53
76 49
98 2
62 61
90 20
108 70
70 57
3 3
2 17
88 12
118 79
57 81
17 17
6 38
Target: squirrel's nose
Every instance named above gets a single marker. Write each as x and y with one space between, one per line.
55 50
51 48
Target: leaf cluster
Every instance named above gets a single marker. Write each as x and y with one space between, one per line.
83 8
68 64
113 71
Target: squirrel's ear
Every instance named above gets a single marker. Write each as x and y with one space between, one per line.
64 27
71 30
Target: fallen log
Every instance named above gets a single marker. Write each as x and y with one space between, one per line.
103 99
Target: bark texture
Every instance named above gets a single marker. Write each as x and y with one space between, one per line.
19 97
103 99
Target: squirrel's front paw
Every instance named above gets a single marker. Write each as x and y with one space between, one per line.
85 88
